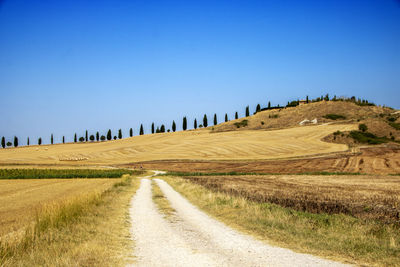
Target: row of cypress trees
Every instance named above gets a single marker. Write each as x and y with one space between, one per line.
97 137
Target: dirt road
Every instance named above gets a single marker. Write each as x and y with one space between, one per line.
195 239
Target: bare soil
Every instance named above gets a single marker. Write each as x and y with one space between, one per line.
383 159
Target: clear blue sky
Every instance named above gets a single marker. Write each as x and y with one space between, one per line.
68 66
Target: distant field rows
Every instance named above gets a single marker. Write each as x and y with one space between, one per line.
201 144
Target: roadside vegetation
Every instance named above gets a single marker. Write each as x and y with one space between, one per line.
334 236
64 173
91 229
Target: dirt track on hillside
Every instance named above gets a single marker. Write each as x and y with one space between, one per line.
372 160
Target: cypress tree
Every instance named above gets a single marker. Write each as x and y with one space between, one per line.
162 129
40 141
306 99
109 135
195 124
226 117
97 136
75 138
236 115
158 130
120 134
215 119
86 136
3 142
130 132
205 122
184 124
63 139
269 104
141 129
258 108
173 126
247 111
27 141
15 141
152 128
51 139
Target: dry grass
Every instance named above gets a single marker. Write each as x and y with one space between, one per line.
162 203
22 199
338 237
365 197
201 144
91 229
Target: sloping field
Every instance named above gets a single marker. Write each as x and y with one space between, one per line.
20 199
193 145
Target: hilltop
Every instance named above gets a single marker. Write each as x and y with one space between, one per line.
267 135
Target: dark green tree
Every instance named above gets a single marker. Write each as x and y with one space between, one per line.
102 138
91 138
258 108
362 127
236 115
226 117
162 129
120 134
109 135
326 98
307 99
15 141
39 141
9 144
97 136
205 122
51 139
63 140
247 111
184 124
195 124
269 104
158 130
215 119
173 126
152 128
115 137
3 142
75 138
81 139
27 141
86 136
130 132
141 129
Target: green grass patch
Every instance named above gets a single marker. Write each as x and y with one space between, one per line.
367 138
395 125
63 173
332 116
243 123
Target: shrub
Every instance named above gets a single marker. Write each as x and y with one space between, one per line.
102 138
243 123
334 116
273 116
81 139
9 144
362 127
262 123
337 133
367 138
91 138
395 125
391 119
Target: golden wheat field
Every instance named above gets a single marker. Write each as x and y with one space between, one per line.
200 144
21 199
